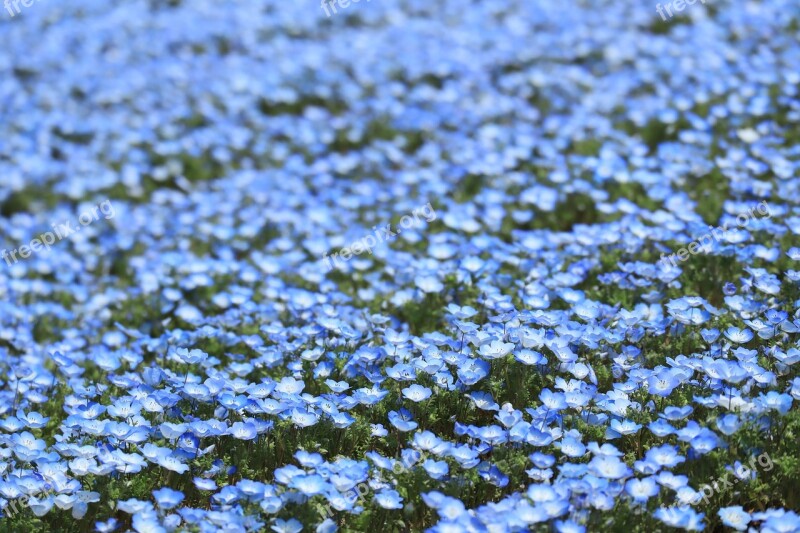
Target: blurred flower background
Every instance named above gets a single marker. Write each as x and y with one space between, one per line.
517 359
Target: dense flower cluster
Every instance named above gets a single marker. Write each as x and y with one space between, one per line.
520 360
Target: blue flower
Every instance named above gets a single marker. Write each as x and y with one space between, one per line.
417 393
287 526
402 420
388 499
167 498
681 517
309 485
734 517
739 336
436 469
665 456
204 484
245 430
609 467
302 419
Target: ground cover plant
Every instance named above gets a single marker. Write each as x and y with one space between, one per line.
399 266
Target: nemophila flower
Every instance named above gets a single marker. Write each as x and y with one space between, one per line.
253 490
26 446
710 335
774 400
577 399
106 527
426 441
541 493
417 393
556 508
167 498
309 485
428 283
473 372
188 442
687 496
663 383
337 386
618 428
302 419
191 177
554 401
227 496
444 380
369 396
287 526
642 490
191 357
198 392
511 418
342 420
677 413
493 435
492 474
32 419
466 456
795 390
496 349
172 431
483 400
172 463
670 480
436 469
261 390
529 357
388 499
568 526
789 358
542 460
289 386
402 372
683 517
705 442
728 424
377 430
402 420
380 461
665 456
327 526
729 289
734 517
609 467
82 466
308 459
11 424
248 430
739 336
572 447
777 520
410 457
204 484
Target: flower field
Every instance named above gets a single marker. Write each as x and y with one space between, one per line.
400 265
